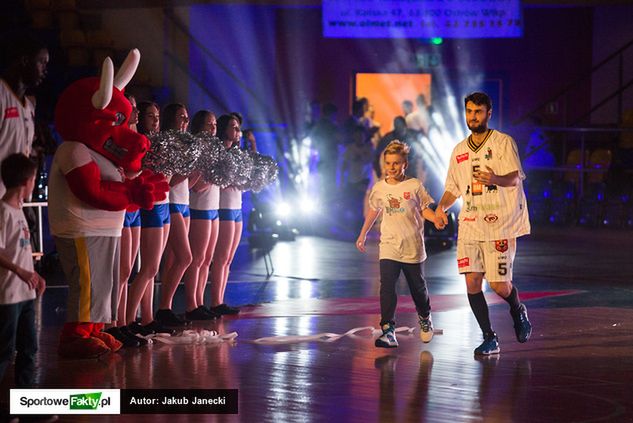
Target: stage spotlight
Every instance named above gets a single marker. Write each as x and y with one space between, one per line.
307 206
283 209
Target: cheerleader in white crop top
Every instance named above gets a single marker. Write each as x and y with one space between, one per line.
178 251
230 227
155 226
204 202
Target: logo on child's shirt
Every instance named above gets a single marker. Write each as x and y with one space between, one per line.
25 240
11 112
407 195
394 205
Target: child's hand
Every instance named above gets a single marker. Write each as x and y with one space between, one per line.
30 278
441 220
429 214
360 244
41 287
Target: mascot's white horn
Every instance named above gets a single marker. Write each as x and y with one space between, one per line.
102 97
128 68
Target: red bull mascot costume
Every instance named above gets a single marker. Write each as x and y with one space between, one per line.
88 195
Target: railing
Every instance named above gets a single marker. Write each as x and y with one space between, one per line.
40 231
581 137
565 93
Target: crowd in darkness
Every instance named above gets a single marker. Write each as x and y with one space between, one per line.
350 153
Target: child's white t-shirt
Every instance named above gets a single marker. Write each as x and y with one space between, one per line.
402 227
15 244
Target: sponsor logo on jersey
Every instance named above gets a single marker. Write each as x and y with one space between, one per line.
470 207
11 112
501 245
469 219
491 218
488 154
491 188
407 195
462 157
489 207
463 262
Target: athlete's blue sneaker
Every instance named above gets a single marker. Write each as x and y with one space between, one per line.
489 346
388 337
522 326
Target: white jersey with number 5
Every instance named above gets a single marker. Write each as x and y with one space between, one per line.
489 212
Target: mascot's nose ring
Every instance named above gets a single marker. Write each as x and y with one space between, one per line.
114 149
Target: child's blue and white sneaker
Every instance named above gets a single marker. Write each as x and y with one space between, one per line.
388 337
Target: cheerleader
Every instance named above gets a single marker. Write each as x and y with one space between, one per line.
178 252
130 240
155 226
204 200
230 226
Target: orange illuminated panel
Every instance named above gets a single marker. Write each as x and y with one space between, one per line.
387 91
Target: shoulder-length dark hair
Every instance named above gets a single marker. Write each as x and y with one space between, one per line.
168 116
223 124
142 109
198 120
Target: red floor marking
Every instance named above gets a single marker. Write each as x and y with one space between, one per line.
371 305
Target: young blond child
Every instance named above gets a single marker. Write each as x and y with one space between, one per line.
404 204
19 283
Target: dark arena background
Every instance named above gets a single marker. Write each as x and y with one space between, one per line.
560 75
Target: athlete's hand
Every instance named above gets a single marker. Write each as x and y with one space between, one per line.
486 178
441 219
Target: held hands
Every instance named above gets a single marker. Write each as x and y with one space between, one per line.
486 178
441 219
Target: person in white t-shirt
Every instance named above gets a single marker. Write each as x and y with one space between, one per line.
486 172
404 204
419 120
19 283
27 60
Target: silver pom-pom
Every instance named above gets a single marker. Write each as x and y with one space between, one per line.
210 150
242 177
265 171
243 169
172 152
226 168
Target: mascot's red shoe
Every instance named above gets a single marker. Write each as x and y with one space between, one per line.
112 343
76 342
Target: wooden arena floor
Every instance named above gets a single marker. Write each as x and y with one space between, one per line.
577 367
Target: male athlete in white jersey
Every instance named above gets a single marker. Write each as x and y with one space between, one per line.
486 172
